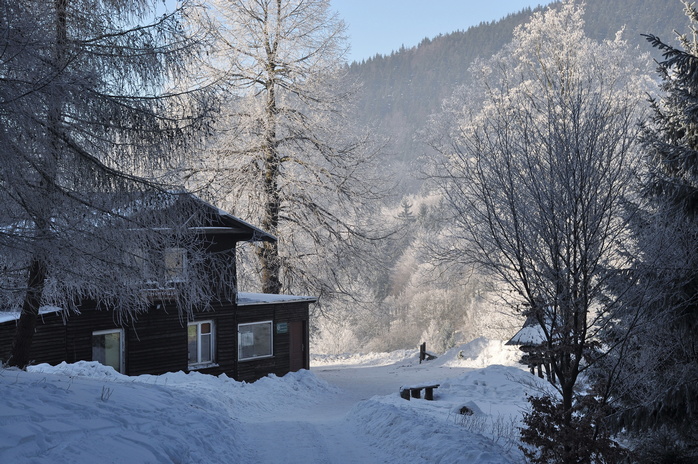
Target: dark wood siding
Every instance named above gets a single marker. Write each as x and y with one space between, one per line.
156 341
47 344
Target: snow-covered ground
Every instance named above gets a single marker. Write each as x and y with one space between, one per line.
346 410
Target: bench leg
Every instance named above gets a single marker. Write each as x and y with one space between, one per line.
416 392
405 394
429 394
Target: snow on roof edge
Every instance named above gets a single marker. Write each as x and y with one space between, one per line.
530 335
250 299
6 316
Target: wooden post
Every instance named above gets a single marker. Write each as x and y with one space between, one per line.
422 352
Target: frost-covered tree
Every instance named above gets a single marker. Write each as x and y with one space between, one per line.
287 158
536 163
662 408
87 129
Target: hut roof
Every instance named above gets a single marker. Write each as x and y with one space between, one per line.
531 334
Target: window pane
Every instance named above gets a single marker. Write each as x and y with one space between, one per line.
200 343
192 343
205 347
254 340
175 263
106 349
98 348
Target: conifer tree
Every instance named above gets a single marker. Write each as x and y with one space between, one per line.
89 122
665 402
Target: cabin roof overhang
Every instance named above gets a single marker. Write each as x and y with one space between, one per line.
222 222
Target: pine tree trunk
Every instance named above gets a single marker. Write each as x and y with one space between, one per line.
26 326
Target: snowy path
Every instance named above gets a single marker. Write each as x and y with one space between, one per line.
309 432
321 433
330 441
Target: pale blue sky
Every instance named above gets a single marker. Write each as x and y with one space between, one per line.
382 26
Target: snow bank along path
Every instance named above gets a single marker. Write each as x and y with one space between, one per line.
347 410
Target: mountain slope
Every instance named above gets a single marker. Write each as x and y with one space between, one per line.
400 90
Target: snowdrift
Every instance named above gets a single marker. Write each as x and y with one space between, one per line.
86 413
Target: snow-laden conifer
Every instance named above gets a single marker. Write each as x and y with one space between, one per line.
658 394
90 122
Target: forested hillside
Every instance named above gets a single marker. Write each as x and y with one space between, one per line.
416 296
399 91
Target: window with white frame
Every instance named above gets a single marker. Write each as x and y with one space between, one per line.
176 264
255 340
108 348
201 343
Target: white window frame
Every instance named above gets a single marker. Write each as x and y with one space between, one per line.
248 339
122 351
200 364
175 264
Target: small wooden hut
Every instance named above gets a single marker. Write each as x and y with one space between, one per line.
532 341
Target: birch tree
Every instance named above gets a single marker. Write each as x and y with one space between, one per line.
88 129
536 163
287 157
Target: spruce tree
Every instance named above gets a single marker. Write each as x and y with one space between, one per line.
660 399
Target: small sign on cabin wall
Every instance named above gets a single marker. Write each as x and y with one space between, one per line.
281 327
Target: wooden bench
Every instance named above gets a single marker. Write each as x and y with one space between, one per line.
415 391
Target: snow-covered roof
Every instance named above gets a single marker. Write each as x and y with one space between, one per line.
6 316
243 299
250 299
530 335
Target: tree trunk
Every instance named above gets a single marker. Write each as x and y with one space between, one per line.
26 325
269 256
269 252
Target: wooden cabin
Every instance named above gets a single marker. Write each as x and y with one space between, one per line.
248 336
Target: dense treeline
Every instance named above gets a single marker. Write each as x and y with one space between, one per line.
399 94
401 90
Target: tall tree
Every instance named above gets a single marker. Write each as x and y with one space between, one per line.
664 406
288 158
88 127
535 164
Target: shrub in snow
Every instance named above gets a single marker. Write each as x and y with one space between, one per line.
553 435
